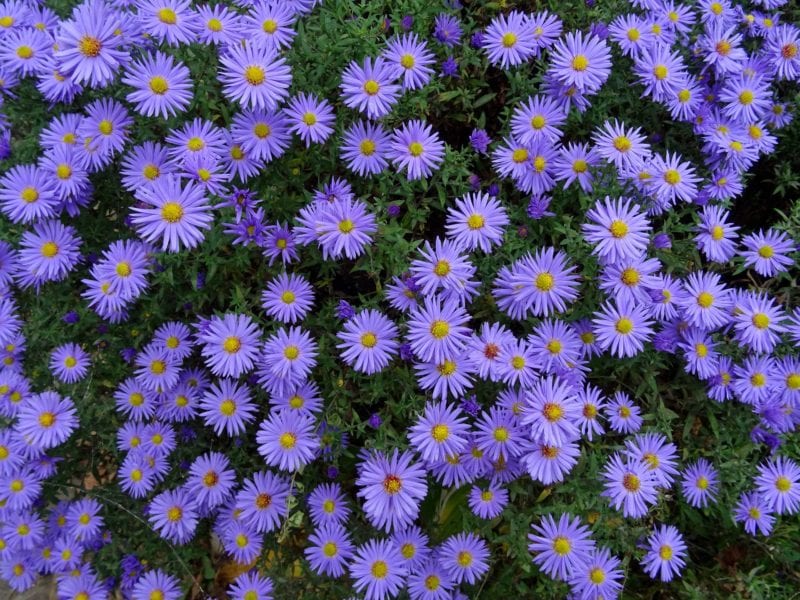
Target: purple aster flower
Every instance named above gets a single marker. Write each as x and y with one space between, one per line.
69 363
211 479
369 341
392 487
700 483
666 551
560 547
489 502
465 557
170 21
550 463
254 76
310 118
377 570
449 378
757 321
538 120
623 328
365 148
287 440
617 229
583 62
778 482
218 25
707 302
251 586
599 576
370 87
673 179
162 86
288 298
412 58
716 236
156 583
624 416
429 581
755 512
230 345
766 252
625 148
374 420
327 504
497 434
746 98
173 514
144 165
270 24
262 501
783 51
447 30
574 163
174 213
329 550
289 354
629 485
450 67
443 269
508 40
439 432
345 310
416 149
537 207
262 134
551 412
437 331
27 194
47 420
480 140
660 70
344 228
227 406
658 455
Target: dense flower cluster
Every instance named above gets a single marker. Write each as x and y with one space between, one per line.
717 68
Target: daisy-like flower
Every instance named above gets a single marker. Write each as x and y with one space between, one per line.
617 229
673 179
69 363
746 98
429 581
377 570
47 420
174 213
416 149
542 284
270 24
755 512
583 62
368 341
498 435
658 455
758 322
371 88
476 221
329 550
778 482
666 551
310 118
84 523
327 504
485 347
211 479
230 344
288 298
304 398
173 514
218 25
489 502
262 501
412 58
251 586
700 483
27 193
574 163
716 236
439 432
443 269
593 404
630 485
538 120
551 412
660 70
449 378
48 253
767 252
344 228
26 51
437 331
156 584
550 463
197 136
264 135
465 557
144 165
622 146
560 547
287 440
170 21
630 32
365 148
624 416
162 86
623 328
392 486
227 407
289 354
707 302
783 51
599 576
254 76
508 40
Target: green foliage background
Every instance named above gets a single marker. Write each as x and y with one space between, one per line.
724 562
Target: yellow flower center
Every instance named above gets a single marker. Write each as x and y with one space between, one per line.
227 407
63 171
723 47
407 61
701 350
330 549
561 546
29 195
408 551
447 368
214 25
754 513
432 583
262 130
501 434
442 268
539 163
634 35
291 352
106 127
167 16
624 326
310 119
288 440
241 540
254 75
631 482
371 87
630 276
509 39
760 321
195 144
672 177
597 576
151 172
758 380
618 229
175 513
705 300
6 21
464 558
379 569
369 339
716 8
552 412
580 63
660 72
232 344
782 484
171 212
440 329
159 85
70 362
392 484
746 97
580 166
24 52
702 483
789 51
518 363
793 381
665 552
367 147
766 251
263 500
415 149
589 411
346 226
269 26
440 432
